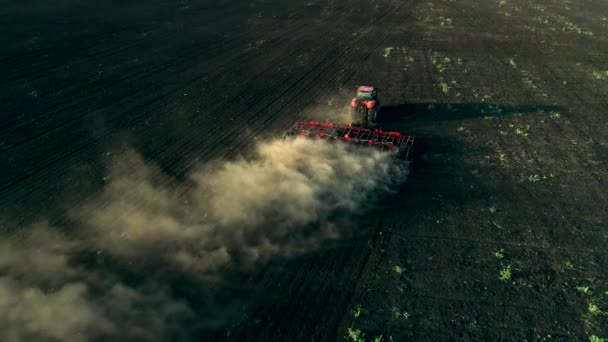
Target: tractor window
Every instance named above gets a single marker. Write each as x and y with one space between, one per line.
362 96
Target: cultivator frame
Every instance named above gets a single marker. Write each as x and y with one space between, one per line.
360 136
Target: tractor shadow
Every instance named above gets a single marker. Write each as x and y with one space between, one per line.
433 112
432 125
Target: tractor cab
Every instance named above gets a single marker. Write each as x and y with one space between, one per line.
365 94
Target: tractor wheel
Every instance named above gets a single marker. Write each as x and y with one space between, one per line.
373 115
364 117
369 115
354 115
359 115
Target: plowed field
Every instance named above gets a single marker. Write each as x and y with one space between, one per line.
137 204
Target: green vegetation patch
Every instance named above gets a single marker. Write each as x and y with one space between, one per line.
505 273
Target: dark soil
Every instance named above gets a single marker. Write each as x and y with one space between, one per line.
507 100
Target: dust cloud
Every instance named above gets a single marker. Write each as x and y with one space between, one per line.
278 202
287 199
339 111
46 296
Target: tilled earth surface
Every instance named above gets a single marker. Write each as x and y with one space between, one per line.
500 232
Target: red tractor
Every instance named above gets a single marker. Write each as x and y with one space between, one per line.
365 107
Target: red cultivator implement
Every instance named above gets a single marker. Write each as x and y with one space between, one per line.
359 136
